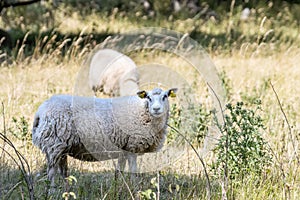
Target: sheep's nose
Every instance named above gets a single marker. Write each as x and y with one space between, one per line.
156 108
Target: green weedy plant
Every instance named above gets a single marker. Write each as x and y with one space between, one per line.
150 193
226 83
198 122
174 121
241 150
20 129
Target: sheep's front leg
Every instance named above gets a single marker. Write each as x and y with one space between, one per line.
51 171
132 157
132 165
56 162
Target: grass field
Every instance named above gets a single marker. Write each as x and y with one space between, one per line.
258 59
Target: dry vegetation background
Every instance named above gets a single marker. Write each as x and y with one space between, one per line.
258 58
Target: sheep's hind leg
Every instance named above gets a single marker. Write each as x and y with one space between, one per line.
119 168
56 162
121 163
63 166
63 170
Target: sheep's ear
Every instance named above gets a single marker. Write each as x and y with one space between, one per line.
172 92
142 94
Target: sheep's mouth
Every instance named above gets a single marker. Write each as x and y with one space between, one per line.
157 114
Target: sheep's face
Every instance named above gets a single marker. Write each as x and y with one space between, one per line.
157 100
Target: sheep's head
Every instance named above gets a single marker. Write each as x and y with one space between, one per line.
157 100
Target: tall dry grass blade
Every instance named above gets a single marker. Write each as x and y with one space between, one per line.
283 174
230 21
21 161
20 55
127 186
261 30
158 188
208 184
288 123
4 127
224 183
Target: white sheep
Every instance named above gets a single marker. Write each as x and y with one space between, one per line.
95 129
112 73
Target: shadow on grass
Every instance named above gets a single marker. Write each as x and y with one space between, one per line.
47 41
30 41
12 180
105 185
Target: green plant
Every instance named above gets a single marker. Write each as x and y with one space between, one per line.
251 95
194 123
226 83
149 193
162 7
200 124
241 150
20 129
174 121
36 16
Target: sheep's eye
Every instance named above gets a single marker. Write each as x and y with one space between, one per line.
164 97
149 98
